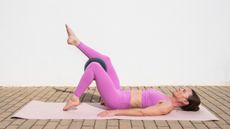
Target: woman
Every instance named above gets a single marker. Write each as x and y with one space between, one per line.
119 102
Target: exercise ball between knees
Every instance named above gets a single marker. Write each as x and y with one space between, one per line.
98 60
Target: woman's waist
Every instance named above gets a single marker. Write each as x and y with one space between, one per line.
136 98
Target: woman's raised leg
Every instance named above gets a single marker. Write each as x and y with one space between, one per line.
91 53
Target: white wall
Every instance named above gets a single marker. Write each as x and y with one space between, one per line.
170 42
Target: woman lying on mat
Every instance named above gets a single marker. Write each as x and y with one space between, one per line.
120 102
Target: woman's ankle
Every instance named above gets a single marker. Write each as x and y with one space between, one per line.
74 97
77 43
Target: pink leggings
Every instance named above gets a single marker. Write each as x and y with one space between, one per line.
108 84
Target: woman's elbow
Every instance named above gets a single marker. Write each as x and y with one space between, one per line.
164 112
150 113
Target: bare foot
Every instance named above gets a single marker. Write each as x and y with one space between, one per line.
72 102
72 38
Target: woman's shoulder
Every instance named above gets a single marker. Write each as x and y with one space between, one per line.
167 104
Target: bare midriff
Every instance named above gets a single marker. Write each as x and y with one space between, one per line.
136 96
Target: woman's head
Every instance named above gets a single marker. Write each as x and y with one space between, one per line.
194 102
188 99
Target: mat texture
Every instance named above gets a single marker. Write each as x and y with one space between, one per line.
50 110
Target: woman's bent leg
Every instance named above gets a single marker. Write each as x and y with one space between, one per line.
95 72
109 93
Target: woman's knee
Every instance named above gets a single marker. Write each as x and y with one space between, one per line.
105 58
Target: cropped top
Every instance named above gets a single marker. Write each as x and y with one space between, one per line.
151 97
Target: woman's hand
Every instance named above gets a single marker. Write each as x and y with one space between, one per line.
107 113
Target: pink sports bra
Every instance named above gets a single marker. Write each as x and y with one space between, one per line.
151 97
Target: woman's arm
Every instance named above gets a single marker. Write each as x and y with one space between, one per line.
159 109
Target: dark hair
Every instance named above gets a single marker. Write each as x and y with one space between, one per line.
194 102
98 60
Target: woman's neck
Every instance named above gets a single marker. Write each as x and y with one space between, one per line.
174 101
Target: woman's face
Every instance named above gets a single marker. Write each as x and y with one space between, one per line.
182 94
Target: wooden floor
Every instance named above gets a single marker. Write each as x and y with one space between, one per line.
216 99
